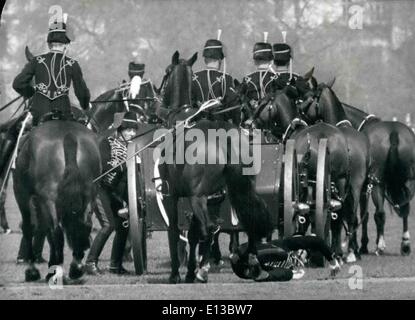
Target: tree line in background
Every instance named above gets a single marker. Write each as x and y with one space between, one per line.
373 65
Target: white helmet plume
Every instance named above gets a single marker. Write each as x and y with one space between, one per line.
135 86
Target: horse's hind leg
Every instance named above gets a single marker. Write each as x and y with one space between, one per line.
49 221
206 227
406 238
3 219
364 216
379 201
31 273
193 237
173 235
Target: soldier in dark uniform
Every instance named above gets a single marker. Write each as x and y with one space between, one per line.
259 83
113 194
282 260
212 82
145 90
297 87
53 73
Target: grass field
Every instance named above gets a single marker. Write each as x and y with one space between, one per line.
390 276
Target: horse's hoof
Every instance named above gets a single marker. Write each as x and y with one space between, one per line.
363 250
219 263
202 276
405 248
379 252
32 274
351 257
174 279
76 270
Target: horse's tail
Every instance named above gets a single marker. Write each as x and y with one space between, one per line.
395 172
249 207
71 200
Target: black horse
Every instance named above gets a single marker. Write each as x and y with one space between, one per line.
327 107
392 173
53 185
199 180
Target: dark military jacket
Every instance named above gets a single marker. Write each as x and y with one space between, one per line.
259 83
210 84
52 80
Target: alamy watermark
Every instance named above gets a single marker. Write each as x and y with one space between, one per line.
356 280
211 146
56 281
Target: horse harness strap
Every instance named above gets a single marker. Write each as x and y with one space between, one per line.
365 120
344 122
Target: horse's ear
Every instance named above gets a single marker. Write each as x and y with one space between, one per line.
236 83
331 82
309 74
175 58
28 54
192 60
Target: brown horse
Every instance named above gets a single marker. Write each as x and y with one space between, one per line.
392 173
197 181
53 187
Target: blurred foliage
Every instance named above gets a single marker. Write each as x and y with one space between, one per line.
374 66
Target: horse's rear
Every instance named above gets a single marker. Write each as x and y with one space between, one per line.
393 174
53 184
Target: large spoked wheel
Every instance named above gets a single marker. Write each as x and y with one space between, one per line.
323 195
291 187
136 213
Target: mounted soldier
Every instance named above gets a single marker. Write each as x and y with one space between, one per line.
140 89
297 85
259 82
53 73
213 82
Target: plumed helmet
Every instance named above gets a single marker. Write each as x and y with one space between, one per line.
282 53
263 50
60 31
213 48
136 69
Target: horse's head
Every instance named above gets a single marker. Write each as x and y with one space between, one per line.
178 82
176 90
325 106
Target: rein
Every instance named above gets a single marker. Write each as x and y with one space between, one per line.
10 103
123 100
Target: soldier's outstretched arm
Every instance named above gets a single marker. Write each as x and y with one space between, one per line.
23 81
80 88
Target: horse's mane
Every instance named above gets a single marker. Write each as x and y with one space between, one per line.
335 108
